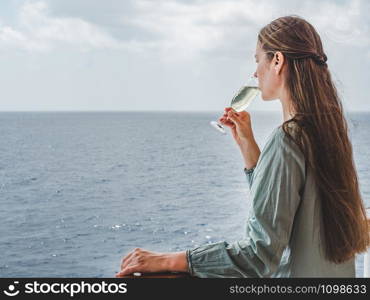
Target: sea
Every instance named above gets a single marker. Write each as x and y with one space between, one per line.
80 190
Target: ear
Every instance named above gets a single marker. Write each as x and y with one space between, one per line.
278 62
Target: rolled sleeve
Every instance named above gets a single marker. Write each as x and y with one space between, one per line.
275 195
212 261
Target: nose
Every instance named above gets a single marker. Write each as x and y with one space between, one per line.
255 74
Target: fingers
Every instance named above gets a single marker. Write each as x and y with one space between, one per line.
234 117
242 113
226 122
135 259
126 260
128 270
128 257
225 119
228 109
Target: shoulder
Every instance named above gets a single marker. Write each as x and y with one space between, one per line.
286 135
280 155
282 142
277 138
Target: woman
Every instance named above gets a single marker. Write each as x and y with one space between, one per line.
307 217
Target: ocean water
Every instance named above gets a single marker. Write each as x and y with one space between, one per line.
78 191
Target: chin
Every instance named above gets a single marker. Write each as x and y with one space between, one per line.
267 97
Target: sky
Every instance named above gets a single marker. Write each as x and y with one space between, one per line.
162 55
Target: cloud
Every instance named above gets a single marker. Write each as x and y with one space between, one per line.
343 23
175 30
39 31
188 29
13 38
198 50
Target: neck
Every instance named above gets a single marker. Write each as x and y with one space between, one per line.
287 115
286 102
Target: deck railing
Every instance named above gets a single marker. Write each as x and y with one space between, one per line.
367 253
177 275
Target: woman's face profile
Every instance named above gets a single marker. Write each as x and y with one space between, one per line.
267 72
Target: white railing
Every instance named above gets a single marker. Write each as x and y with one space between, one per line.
367 254
367 264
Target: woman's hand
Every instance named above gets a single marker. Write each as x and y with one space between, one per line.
140 260
241 128
239 123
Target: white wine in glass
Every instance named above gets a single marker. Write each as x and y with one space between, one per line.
241 100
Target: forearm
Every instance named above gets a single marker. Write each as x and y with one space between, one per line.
250 152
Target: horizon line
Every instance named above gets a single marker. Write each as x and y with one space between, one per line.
118 111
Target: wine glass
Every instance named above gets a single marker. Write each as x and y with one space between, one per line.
241 100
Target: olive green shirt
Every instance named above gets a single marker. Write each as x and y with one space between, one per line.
283 228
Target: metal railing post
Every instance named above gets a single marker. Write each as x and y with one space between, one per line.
367 253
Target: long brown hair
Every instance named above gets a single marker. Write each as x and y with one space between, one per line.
322 134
